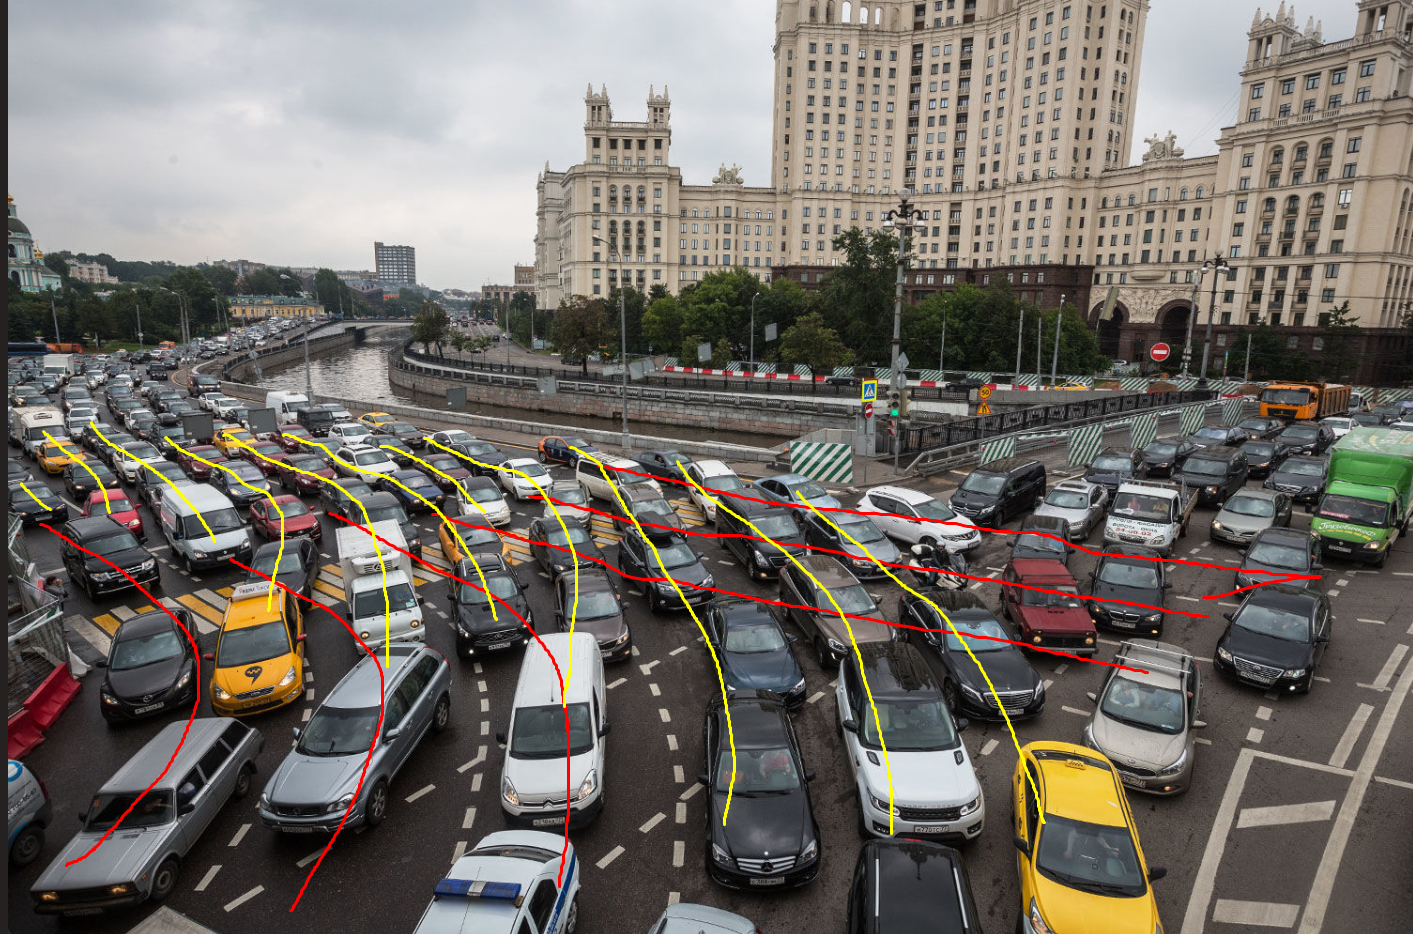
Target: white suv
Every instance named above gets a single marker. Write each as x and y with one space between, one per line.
906 514
366 458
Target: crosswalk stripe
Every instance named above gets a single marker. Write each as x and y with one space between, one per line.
333 569
208 619
436 560
89 633
210 597
328 590
123 613
226 592
107 623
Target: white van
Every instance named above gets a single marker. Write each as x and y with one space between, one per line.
286 405
532 779
625 475
190 539
35 423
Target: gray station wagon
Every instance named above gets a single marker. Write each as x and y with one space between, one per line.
141 860
318 780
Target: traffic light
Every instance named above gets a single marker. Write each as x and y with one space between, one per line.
905 403
895 402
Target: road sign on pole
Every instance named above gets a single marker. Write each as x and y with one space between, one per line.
984 393
983 409
1159 352
868 410
870 390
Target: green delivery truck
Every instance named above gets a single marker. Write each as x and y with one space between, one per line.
1369 499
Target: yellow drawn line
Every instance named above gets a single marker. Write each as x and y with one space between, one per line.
965 644
175 488
280 555
82 462
721 680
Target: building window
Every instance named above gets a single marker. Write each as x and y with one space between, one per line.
1366 69
1361 95
1332 270
1337 76
1346 196
1258 91
1312 82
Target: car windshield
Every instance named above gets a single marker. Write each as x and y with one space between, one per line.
112 544
909 726
776 527
484 494
653 507
1300 434
339 731
852 599
754 639
1146 706
290 562
1128 574
1040 541
570 441
444 464
479 449
1161 449
369 458
1279 556
310 463
140 450
1094 858
1067 499
1142 507
1251 506
532 470
1273 621
1215 434
675 555
138 651
985 483
500 585
371 602
394 513
807 490
723 483
959 641
932 509
241 471
1356 511
1114 462
113 502
593 604
153 810
1286 396
577 535
757 772
858 528
1201 467
1336 422
1304 468
568 495
539 732
45 495
1062 597
290 510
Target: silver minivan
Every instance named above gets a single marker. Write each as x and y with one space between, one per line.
214 764
202 526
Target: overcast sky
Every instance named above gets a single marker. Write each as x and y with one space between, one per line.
300 132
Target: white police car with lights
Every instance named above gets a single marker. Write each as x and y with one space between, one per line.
513 881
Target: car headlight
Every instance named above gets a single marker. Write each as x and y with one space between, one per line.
1153 617
1037 923
1295 672
883 806
1223 654
722 857
1217 525
264 800
108 699
219 693
49 896
587 786
708 581
416 623
363 635
507 792
1088 737
1177 766
799 686
759 559
971 806
288 679
341 804
623 638
185 679
810 851
970 691
1099 609
147 565
1210 490
1373 546
122 888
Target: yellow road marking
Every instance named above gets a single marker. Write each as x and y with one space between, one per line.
328 589
107 623
201 608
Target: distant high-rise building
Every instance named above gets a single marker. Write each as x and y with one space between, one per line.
396 264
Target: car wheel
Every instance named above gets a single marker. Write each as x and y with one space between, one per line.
653 606
242 782
27 846
377 804
164 880
441 717
89 589
952 697
186 563
571 920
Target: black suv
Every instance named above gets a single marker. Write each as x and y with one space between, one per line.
1163 458
1128 575
905 885
107 539
1114 466
1303 478
1276 638
1005 488
1307 437
1215 473
761 559
652 564
486 579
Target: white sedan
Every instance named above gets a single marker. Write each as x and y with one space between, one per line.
516 476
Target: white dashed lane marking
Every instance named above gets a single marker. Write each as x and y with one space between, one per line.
231 906
419 793
239 835
652 822
469 819
309 859
617 683
206 879
988 747
609 857
679 853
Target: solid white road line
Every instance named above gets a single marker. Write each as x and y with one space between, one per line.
1394 781
239 835
206 879
1321 891
679 854
1386 673
652 822
480 757
1307 813
419 793
1260 914
609 857
245 898
1351 735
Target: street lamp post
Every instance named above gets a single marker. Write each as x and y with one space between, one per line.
1020 341
1191 316
942 354
1218 265
623 346
904 217
55 312
308 376
1055 359
753 331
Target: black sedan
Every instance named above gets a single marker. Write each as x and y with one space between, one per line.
1307 438
1043 537
1020 689
1128 575
593 606
772 838
480 457
393 447
241 481
1279 552
337 497
549 544
405 432
1261 427
916 885
18 472
153 477
650 563
1218 436
754 650
295 568
79 479
151 666
1162 458
663 465
416 491
651 510
108 550
1114 466
1263 457
488 605
1303 478
1276 638
34 502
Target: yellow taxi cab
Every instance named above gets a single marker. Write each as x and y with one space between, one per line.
228 438
374 419
1082 869
259 657
1073 387
479 540
54 456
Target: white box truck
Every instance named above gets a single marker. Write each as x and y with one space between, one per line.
286 405
375 618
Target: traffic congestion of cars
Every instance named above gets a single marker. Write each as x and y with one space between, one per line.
816 607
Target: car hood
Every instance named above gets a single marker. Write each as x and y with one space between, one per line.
922 779
773 671
1069 909
126 559
538 779
1248 565
767 549
1061 512
972 500
771 825
602 628
295 523
1106 593
304 780
477 617
1256 647
883 550
121 858
148 679
588 554
1247 525
1056 618
864 630
1108 477
1135 746
1303 481
1007 669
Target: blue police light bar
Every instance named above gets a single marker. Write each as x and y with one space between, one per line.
468 888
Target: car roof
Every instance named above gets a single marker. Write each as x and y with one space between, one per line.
1290 536
735 609
1128 553
826 570
1215 453
1079 784
143 768
93 526
1080 486
1254 494
1163 664
539 681
589 579
756 722
895 669
1041 567
917 885
1044 522
146 624
359 688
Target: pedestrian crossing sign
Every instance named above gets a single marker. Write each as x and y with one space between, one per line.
870 390
983 409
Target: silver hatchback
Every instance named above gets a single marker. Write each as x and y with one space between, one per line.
1144 720
1079 503
214 764
319 779
1248 513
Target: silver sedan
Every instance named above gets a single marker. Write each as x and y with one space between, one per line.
1079 503
1250 512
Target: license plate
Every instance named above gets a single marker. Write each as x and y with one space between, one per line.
773 880
1014 711
74 913
1133 782
547 821
296 829
1259 679
1333 547
1122 623
501 645
930 828
151 707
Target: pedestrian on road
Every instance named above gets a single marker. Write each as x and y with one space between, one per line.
53 586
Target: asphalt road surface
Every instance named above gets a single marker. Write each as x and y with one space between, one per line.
1298 818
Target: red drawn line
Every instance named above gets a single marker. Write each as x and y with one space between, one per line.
195 651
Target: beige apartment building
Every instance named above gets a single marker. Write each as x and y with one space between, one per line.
92 273
1010 125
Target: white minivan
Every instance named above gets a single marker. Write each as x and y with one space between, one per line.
286 405
203 527
622 473
533 788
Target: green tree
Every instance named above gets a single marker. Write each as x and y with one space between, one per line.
811 342
522 301
662 323
581 326
56 262
432 326
1340 334
222 279
859 293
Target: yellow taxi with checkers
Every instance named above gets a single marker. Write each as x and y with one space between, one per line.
259 657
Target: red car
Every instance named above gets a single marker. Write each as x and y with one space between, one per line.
298 520
1046 606
193 467
292 479
122 510
290 436
264 454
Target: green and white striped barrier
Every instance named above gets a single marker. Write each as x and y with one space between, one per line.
1143 430
1085 443
825 461
1192 418
1231 412
996 449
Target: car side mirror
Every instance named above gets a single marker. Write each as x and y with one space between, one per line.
101 663
209 656
1167 585
1094 698
297 732
186 808
1022 846
604 728
1229 616
421 599
1322 639
810 775
500 738
301 637
702 779
83 819
851 725
791 637
1156 873
393 732
1309 508
1093 575
962 724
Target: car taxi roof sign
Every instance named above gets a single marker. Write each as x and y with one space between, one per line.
478 888
246 591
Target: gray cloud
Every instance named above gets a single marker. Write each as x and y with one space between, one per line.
300 133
